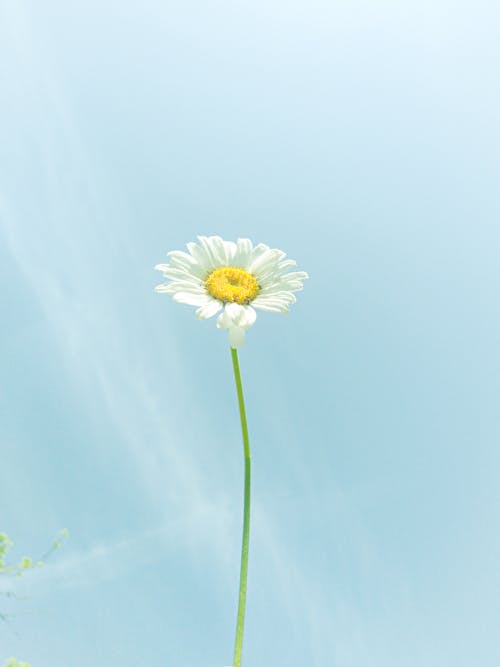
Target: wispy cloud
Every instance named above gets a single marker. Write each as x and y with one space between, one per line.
62 241
103 561
60 238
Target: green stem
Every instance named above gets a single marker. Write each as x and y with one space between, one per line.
238 643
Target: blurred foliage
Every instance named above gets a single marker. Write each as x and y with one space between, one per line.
19 568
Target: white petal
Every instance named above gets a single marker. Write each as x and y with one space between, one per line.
265 262
280 286
212 307
235 312
224 251
230 249
200 256
250 317
224 321
184 286
296 275
181 260
181 274
282 297
162 267
271 308
239 315
277 303
243 253
257 252
274 274
292 285
180 286
191 299
163 288
181 257
236 337
271 272
211 249
286 264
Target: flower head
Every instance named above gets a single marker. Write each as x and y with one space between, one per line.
234 278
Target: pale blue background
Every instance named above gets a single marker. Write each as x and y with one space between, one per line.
362 138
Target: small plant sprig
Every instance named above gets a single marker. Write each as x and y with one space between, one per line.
16 569
13 662
26 563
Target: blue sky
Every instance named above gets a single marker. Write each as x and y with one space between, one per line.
363 139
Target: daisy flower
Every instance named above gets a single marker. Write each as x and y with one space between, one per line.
232 279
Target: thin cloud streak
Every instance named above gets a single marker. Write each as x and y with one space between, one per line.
103 561
116 375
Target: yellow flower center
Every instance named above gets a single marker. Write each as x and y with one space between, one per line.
232 284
